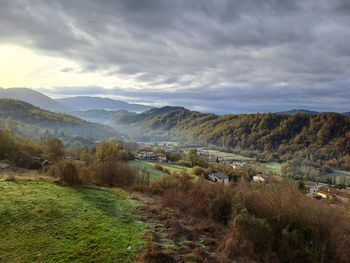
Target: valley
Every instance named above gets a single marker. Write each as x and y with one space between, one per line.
171 185
162 131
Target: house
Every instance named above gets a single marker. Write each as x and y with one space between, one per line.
161 157
236 165
146 155
4 166
326 192
216 176
313 187
258 178
329 192
150 155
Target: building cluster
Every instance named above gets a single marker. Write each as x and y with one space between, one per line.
4 166
237 164
219 177
325 191
150 156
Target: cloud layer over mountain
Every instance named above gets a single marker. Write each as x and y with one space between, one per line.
218 55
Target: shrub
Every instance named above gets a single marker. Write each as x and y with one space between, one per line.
142 178
66 171
247 238
300 229
87 175
262 223
198 170
157 166
107 151
167 171
54 149
153 253
184 163
199 199
114 173
25 160
69 173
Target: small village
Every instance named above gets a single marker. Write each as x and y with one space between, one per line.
318 190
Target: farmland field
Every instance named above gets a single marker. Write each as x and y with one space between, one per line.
156 174
149 167
45 222
273 167
340 173
227 156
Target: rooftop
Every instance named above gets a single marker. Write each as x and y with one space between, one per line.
220 175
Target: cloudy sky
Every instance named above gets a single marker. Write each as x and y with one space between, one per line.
213 55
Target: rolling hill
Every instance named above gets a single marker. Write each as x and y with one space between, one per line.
31 121
83 103
33 97
321 137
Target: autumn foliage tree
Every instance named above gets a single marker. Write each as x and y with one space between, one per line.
54 149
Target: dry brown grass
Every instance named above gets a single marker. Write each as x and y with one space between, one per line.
263 223
199 199
153 253
279 224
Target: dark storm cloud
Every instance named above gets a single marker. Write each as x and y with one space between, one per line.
221 55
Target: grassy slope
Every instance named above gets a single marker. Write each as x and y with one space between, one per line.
149 167
274 167
228 156
156 174
41 221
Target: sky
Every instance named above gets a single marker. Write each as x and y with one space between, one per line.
222 56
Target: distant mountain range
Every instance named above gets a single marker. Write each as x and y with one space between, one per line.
68 105
298 111
308 112
35 98
95 109
82 103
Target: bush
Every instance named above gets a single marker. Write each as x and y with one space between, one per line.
199 199
184 163
114 173
66 171
167 171
300 229
157 166
266 223
198 170
247 238
87 175
25 160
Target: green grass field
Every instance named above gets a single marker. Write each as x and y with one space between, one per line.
340 173
45 222
228 156
178 168
156 174
147 166
273 167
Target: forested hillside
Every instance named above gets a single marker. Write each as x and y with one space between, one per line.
322 137
24 118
